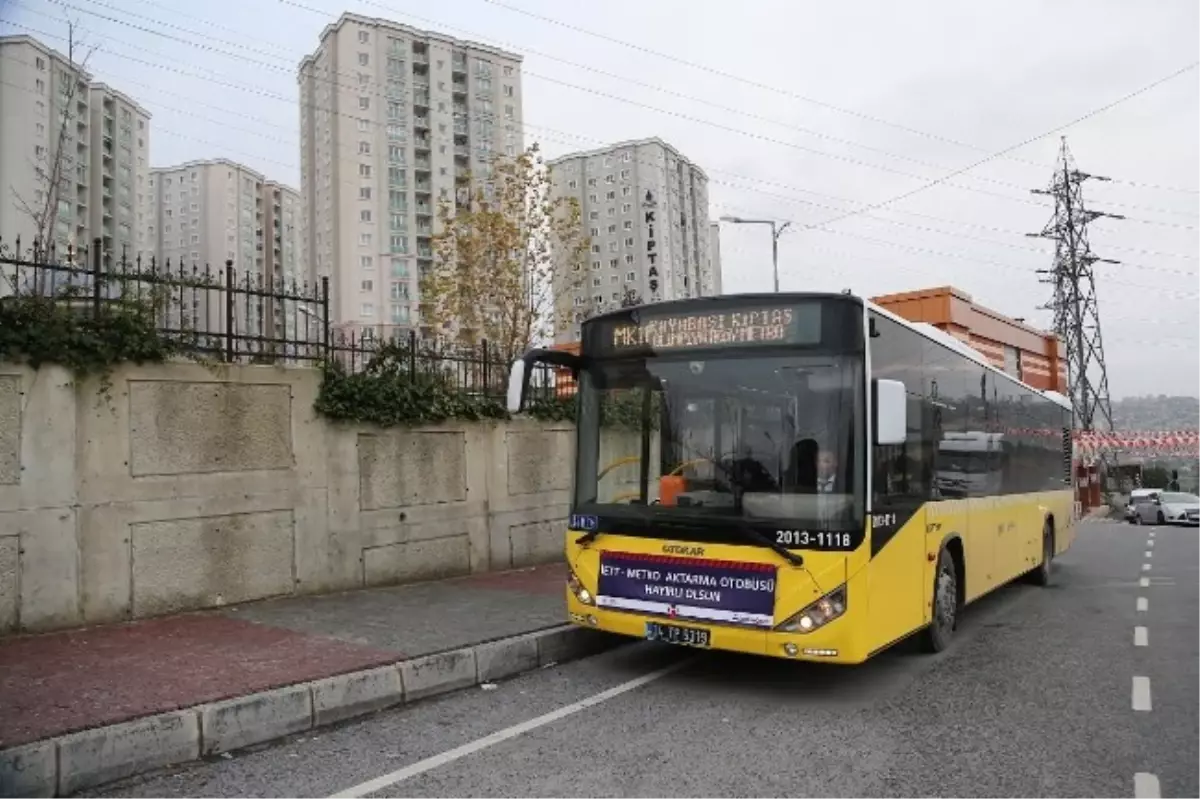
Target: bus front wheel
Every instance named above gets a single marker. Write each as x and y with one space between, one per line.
941 627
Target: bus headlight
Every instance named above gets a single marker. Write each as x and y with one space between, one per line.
817 614
581 593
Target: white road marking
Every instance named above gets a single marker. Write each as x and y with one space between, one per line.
1149 553
1150 542
1141 637
1145 567
1144 582
1145 786
1141 693
430 763
1152 534
1143 604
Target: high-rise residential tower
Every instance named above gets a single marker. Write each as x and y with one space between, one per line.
394 121
646 208
94 178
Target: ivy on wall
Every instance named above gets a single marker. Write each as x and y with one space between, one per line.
87 338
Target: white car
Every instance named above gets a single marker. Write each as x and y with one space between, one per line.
1168 507
1139 496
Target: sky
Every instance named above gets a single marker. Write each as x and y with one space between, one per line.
798 111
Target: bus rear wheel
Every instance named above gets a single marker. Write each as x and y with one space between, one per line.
936 636
1041 575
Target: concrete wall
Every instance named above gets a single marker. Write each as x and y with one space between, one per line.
188 487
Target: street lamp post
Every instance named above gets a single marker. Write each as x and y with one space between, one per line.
776 231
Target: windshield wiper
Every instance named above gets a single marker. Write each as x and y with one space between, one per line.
754 535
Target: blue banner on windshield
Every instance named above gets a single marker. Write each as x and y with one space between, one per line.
688 588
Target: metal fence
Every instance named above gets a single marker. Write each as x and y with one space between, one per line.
235 317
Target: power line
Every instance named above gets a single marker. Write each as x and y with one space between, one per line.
596 92
876 241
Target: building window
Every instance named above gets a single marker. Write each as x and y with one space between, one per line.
366 262
629 241
364 170
364 59
364 148
596 248
367 285
363 125
629 224
364 37
612 229
594 232
364 215
612 262
364 239
364 193
573 184
368 309
630 276
364 103
508 92
624 174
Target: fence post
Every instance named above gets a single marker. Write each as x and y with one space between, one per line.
97 266
229 311
487 384
325 315
412 352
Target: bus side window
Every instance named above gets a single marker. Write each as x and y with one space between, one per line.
899 475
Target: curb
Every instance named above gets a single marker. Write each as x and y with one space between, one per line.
68 763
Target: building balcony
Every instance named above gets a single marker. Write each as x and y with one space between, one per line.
421 122
422 164
421 98
424 209
458 64
459 89
422 143
420 56
424 231
460 126
462 151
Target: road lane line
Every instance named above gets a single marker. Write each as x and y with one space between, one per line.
1149 553
1144 582
1143 604
1141 637
1145 786
1150 542
1141 693
1145 567
430 763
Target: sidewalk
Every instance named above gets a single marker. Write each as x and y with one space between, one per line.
60 683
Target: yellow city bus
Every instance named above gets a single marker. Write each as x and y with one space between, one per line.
760 474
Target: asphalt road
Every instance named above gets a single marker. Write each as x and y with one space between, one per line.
1035 698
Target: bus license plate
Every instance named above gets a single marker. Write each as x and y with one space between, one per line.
673 634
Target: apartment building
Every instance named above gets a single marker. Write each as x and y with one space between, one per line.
394 122
120 173
45 101
646 208
213 212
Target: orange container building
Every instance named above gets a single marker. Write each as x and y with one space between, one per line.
1028 354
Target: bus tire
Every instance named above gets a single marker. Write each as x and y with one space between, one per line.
936 637
1041 575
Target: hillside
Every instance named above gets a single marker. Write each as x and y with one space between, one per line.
1156 413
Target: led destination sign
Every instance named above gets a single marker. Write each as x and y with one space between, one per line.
775 325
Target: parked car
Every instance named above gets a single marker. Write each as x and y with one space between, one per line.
1139 496
1168 507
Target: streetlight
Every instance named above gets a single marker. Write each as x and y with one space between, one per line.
776 231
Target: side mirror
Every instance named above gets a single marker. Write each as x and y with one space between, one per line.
891 412
522 369
518 386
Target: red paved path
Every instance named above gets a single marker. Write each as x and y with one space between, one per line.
61 682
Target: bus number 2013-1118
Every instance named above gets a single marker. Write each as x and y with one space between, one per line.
808 538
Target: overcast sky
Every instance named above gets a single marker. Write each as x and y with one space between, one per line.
821 108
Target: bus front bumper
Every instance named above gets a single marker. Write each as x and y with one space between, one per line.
829 644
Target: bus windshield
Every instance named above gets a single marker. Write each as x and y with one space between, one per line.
764 438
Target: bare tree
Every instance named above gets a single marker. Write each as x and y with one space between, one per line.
42 208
